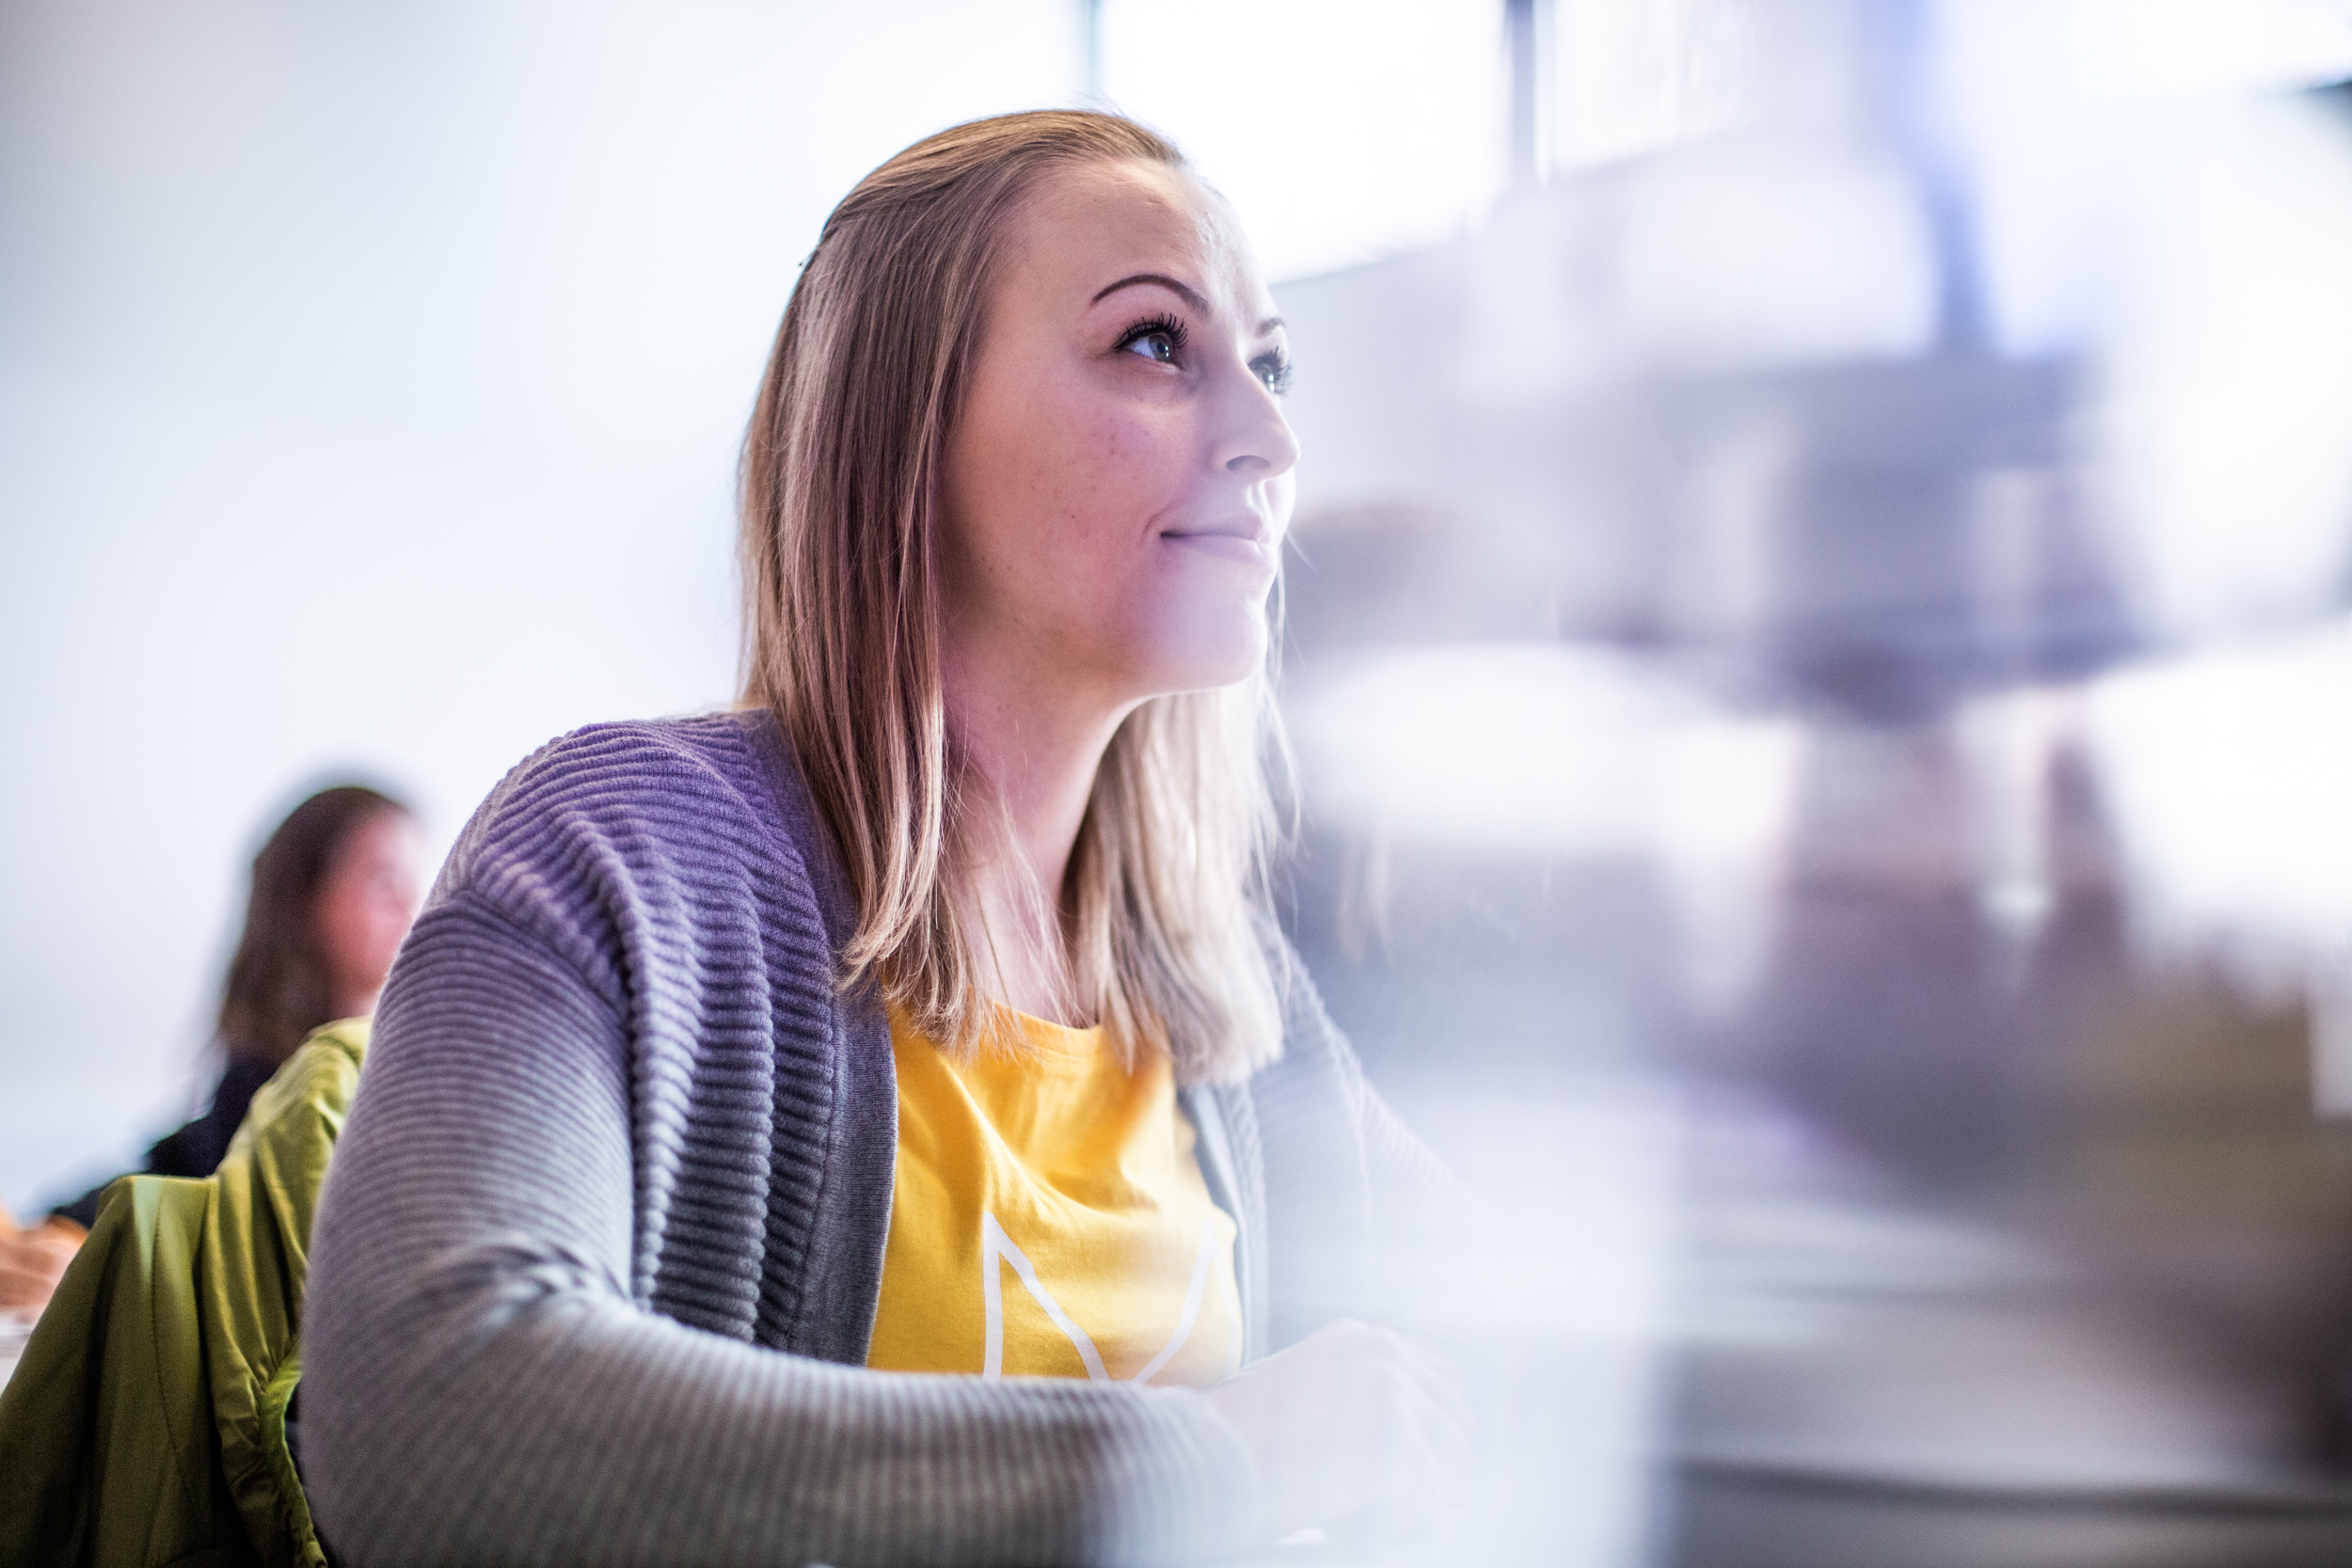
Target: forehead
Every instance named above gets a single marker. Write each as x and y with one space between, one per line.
1091 225
386 829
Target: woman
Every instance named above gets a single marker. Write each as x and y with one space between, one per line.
334 889
797 1029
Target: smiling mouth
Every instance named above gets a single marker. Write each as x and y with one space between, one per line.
1253 547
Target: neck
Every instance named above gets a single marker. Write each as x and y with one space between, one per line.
355 1003
1033 751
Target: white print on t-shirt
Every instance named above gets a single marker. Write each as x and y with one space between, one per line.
996 1249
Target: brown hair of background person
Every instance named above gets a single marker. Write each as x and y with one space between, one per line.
334 888
286 979
842 585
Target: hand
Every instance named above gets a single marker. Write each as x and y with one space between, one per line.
1355 1429
32 1262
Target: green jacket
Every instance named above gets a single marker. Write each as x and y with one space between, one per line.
145 1426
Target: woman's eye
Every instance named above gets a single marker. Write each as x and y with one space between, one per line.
1159 347
1274 370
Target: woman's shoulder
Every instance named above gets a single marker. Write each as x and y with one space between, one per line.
625 757
687 809
657 778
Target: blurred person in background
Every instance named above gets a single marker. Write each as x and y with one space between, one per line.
738 1057
334 889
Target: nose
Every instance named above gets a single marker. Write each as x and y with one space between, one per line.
1257 443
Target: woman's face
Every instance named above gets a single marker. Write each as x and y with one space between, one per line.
366 903
1118 482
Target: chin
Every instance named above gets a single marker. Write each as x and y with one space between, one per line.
1200 647
1229 662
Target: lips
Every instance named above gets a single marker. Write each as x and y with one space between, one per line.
1243 539
1249 550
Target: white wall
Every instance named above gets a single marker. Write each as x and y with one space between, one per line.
369 383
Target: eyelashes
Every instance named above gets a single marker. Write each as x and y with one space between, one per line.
1162 340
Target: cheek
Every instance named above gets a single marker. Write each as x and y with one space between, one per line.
361 927
1068 509
1116 474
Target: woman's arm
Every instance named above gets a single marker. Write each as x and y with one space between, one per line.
1354 1427
482 1383
32 1262
1359 1211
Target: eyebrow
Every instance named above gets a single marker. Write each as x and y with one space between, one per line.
1184 290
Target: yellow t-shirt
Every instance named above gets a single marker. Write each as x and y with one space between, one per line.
1049 1219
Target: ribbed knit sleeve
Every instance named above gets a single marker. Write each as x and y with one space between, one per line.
587 1205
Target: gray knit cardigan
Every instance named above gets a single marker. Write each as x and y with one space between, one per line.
598 1259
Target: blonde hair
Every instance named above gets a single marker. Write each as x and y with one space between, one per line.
1166 885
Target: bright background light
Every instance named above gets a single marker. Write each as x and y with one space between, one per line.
1340 132
2231 774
